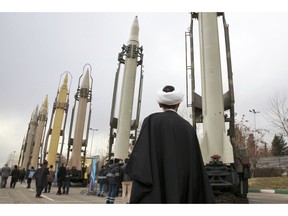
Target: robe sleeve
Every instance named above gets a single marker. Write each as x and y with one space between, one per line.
139 164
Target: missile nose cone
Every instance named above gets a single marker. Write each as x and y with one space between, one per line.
134 31
35 114
45 104
85 82
66 79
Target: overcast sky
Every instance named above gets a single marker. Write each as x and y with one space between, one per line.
36 48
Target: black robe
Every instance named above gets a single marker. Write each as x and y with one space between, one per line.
166 163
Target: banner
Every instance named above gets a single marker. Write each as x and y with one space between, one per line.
93 173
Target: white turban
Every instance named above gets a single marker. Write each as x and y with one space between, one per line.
169 98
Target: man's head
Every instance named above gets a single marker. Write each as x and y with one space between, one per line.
169 97
45 163
117 160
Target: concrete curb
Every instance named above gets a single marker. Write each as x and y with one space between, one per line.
252 190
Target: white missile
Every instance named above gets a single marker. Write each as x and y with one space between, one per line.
215 141
127 95
79 125
30 139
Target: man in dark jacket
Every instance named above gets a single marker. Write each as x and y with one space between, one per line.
15 174
51 177
102 180
60 178
114 179
22 175
166 164
66 183
126 184
41 177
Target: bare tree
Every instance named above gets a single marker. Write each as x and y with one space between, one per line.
277 113
242 132
245 137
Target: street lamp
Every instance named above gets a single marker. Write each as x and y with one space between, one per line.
93 130
254 112
12 159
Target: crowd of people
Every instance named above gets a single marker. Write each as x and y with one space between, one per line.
44 177
109 179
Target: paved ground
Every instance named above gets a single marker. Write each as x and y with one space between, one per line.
80 195
77 195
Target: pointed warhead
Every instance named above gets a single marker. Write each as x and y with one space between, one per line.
35 114
66 79
45 104
85 82
134 33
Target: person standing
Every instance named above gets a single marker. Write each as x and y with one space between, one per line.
41 176
60 178
22 175
126 184
85 177
5 173
114 179
102 180
30 175
66 183
15 174
51 177
166 163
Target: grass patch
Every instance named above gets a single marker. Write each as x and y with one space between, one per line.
273 183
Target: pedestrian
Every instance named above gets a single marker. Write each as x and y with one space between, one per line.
5 173
50 179
114 179
22 175
14 176
166 163
66 183
102 181
30 176
126 184
85 177
60 178
41 176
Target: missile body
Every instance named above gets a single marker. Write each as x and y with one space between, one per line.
30 139
42 119
20 163
127 95
60 105
215 141
79 124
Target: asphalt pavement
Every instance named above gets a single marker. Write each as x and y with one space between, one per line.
77 195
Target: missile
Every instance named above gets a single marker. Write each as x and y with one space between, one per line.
22 152
215 141
127 94
30 139
75 159
60 107
42 120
